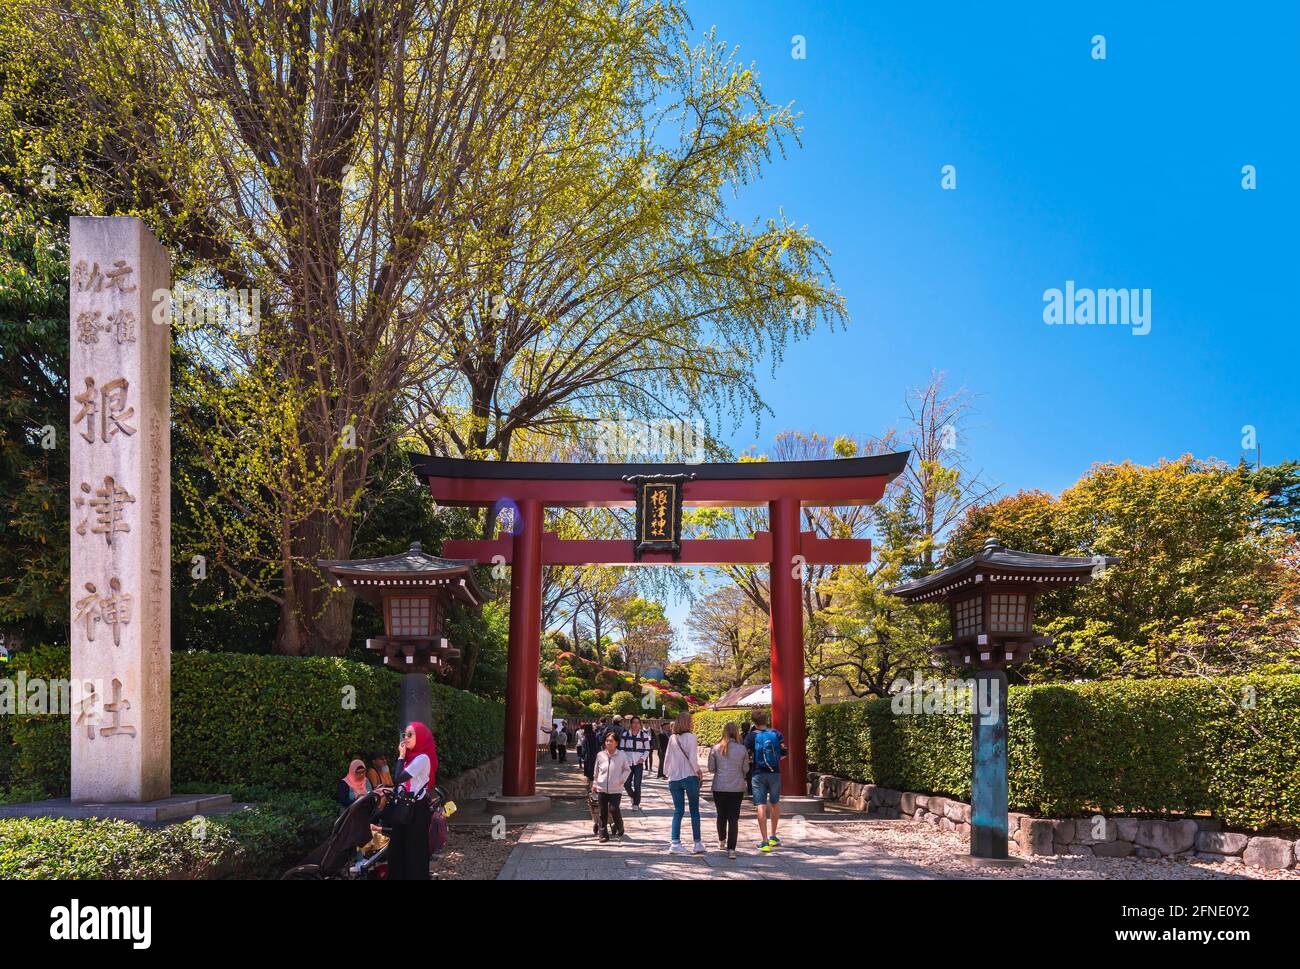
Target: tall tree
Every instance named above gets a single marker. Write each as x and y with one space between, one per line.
616 284
732 636
329 156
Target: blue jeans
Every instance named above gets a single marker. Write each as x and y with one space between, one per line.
681 790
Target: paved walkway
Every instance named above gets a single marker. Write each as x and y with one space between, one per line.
562 846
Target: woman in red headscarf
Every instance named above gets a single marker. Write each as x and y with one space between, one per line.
417 772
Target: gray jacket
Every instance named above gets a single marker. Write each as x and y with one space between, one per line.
729 770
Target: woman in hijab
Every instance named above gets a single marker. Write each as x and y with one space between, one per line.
417 771
353 784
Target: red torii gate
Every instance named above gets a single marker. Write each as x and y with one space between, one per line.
783 486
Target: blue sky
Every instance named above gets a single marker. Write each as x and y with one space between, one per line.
1117 173
1124 172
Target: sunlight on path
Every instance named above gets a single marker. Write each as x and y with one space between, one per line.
563 846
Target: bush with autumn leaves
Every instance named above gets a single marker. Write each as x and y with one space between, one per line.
584 688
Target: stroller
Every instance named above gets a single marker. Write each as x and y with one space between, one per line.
336 858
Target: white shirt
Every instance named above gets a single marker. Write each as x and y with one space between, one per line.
418 768
682 759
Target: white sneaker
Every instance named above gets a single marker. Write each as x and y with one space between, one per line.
698 849
677 848
731 854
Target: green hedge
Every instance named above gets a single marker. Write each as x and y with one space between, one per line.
260 842
274 721
1136 746
709 723
469 729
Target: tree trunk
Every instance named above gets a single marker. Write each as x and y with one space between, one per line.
315 620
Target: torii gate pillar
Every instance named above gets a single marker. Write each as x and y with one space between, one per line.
785 602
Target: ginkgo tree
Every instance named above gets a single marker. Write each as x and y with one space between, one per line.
463 217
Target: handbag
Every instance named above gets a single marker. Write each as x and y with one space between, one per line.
401 807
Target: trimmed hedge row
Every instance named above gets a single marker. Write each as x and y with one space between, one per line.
274 721
260 842
1227 746
709 724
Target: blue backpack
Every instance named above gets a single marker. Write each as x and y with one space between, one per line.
767 750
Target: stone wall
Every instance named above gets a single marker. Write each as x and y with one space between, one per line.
476 782
1200 838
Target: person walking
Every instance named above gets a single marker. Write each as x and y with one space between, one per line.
591 748
766 747
727 760
746 732
663 745
684 783
612 768
635 742
562 742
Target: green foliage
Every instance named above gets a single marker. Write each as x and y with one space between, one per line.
254 843
624 702
273 721
33 396
469 729
709 724
1192 545
678 675
1226 746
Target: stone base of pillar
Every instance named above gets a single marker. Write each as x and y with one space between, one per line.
975 862
416 703
179 807
526 806
801 805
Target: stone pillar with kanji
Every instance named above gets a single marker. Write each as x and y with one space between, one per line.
120 426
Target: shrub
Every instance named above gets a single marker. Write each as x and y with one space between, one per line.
277 721
1135 746
255 842
709 724
624 702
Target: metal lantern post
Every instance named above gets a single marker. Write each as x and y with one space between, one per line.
990 598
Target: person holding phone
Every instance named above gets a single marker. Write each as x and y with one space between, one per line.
417 771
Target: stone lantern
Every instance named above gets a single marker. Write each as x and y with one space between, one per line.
990 598
414 592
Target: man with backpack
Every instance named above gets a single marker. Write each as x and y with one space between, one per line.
766 747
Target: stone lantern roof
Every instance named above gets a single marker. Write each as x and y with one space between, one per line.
413 570
996 563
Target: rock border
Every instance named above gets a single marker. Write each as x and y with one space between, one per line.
1181 838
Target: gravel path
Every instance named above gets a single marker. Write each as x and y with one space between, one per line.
472 854
937 850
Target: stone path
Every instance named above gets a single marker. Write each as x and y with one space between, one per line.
562 847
